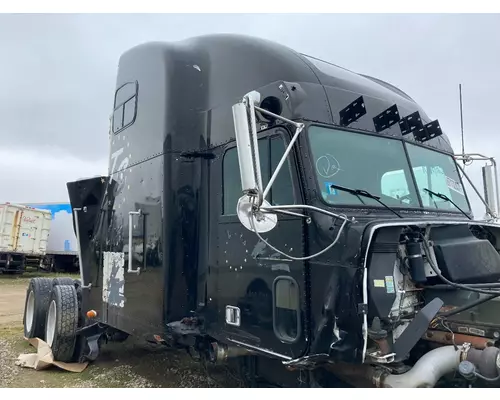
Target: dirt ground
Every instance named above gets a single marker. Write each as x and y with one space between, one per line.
128 364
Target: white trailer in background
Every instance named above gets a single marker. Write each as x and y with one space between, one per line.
24 235
62 251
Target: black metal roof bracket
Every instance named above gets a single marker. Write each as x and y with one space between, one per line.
352 112
411 123
386 118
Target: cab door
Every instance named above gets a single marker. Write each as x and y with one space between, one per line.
260 294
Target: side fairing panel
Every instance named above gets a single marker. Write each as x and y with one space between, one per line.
134 291
91 194
135 286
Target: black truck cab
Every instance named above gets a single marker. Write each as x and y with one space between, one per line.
326 268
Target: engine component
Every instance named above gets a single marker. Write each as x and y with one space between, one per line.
468 313
417 327
450 338
415 260
428 369
463 258
379 336
381 285
467 370
485 361
444 360
484 365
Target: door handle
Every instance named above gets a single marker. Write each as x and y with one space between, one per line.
130 269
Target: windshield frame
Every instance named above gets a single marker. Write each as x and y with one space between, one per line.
405 142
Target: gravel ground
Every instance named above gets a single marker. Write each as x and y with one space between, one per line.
128 364
8 370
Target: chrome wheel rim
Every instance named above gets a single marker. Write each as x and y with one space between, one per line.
51 323
30 311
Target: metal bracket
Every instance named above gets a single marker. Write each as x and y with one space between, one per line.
93 343
352 112
428 132
382 359
386 118
433 129
77 228
130 251
410 123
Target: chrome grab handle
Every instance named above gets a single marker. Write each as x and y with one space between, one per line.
77 228
130 251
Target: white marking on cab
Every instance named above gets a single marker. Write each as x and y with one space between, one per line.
113 288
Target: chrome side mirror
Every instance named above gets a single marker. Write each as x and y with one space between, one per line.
253 210
490 189
245 127
491 199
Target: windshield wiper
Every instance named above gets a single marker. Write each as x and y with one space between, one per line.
360 192
446 198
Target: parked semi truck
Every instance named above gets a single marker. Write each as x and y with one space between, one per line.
268 209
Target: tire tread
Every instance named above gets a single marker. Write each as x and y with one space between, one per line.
64 342
41 288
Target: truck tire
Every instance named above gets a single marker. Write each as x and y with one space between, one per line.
62 322
36 306
63 281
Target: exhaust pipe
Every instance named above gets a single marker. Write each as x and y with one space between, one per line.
442 361
428 370
219 353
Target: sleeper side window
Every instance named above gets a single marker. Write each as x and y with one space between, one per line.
271 149
125 107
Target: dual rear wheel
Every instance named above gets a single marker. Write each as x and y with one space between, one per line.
51 313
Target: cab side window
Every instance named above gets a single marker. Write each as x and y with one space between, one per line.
271 149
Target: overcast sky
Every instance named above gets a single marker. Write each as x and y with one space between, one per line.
58 77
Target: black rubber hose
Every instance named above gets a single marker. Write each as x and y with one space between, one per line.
472 285
486 378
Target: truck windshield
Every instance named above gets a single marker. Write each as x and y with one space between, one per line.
437 172
380 166
373 163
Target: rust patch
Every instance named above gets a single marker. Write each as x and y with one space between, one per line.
448 338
